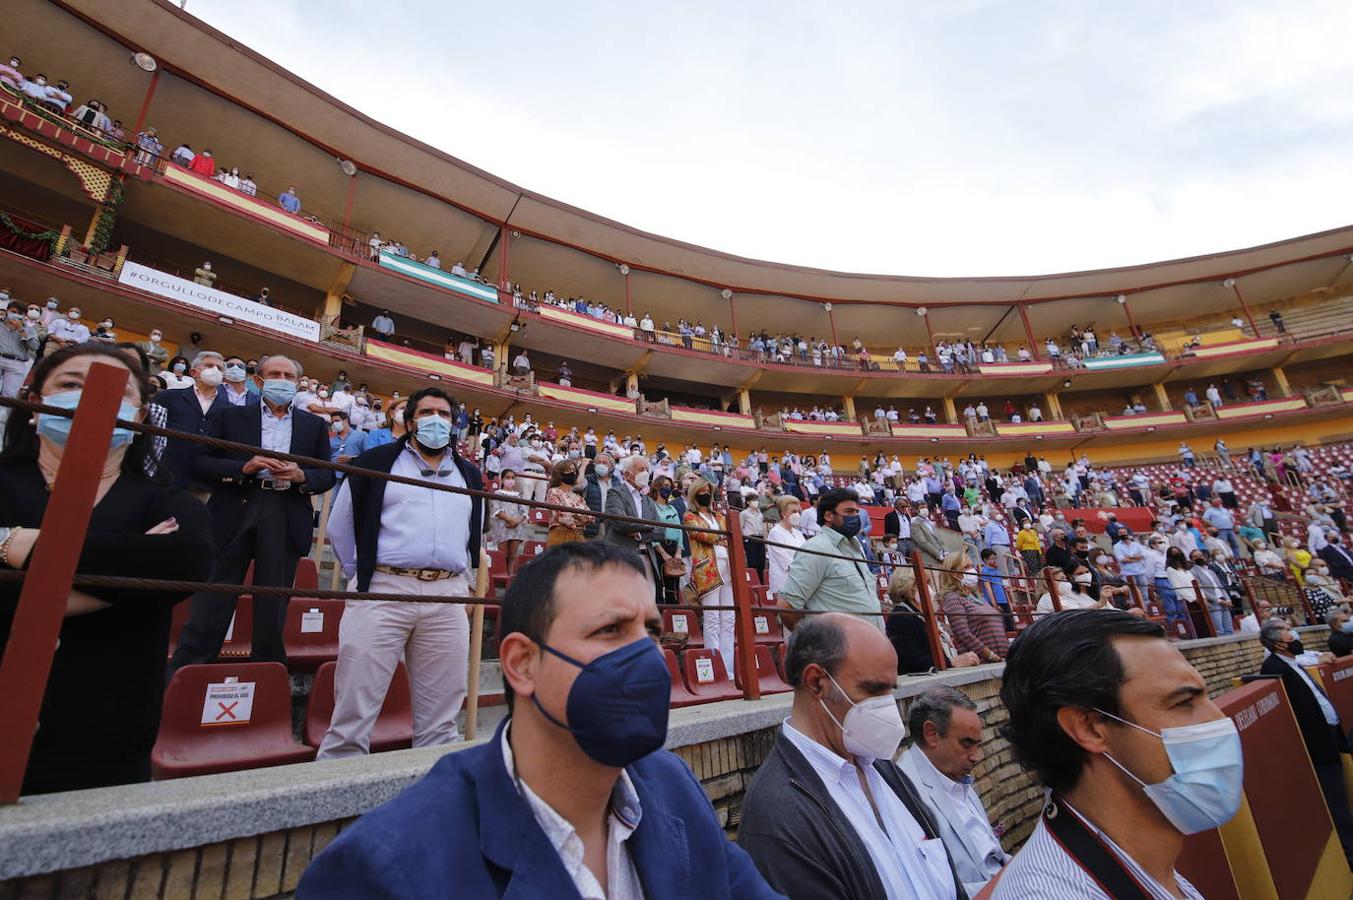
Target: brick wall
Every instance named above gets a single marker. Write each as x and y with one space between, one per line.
270 865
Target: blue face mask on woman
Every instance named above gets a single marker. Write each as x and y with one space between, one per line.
617 707
1209 774
57 428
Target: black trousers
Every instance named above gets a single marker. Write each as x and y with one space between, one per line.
262 540
1331 778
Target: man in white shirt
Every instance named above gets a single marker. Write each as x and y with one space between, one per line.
383 324
1089 694
459 269
829 814
68 330
382 537
946 734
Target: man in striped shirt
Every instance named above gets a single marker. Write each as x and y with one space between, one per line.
1096 700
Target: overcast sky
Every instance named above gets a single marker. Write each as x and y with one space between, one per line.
954 137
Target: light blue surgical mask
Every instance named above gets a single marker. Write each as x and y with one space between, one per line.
57 428
602 470
234 373
1209 774
278 391
1347 627
434 432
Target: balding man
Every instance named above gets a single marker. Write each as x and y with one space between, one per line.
261 512
828 814
947 745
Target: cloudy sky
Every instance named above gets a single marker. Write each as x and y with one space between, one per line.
958 137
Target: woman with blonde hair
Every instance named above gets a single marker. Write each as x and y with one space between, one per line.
711 580
907 630
785 531
976 626
565 527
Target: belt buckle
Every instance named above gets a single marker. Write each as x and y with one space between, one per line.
429 575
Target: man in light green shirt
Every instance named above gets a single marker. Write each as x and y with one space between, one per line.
823 583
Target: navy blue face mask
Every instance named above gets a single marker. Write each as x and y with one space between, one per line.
617 707
849 525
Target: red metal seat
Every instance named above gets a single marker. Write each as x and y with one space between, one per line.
244 724
706 677
394 726
684 621
767 674
311 632
681 695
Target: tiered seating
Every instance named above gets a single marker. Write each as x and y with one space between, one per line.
681 695
767 675
684 621
394 726
226 717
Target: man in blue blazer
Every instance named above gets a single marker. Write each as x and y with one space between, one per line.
573 796
261 512
187 409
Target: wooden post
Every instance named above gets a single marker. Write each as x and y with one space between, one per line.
318 553
932 624
1052 589
744 629
41 609
1136 595
481 589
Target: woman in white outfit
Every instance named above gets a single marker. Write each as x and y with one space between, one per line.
711 580
786 531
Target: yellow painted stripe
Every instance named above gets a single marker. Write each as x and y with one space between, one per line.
1254 409
572 318
585 398
1234 347
423 362
1015 369
726 420
1007 428
929 431
842 428
1118 423
208 187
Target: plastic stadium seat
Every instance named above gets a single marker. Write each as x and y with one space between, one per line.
539 516
684 621
498 576
767 674
307 576
239 642
681 695
753 577
311 632
202 734
706 677
394 726
766 626
531 549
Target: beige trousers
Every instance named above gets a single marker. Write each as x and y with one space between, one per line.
433 639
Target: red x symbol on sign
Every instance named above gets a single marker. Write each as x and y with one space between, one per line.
226 709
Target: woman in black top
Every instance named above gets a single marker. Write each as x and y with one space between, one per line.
101 709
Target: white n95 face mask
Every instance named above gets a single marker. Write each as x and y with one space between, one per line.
1209 774
873 727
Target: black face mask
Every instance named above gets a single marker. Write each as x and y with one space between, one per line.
569 478
702 499
664 492
1294 647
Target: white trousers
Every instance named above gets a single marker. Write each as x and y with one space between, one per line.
12 375
434 641
533 488
716 623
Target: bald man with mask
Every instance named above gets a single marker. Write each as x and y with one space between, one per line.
829 815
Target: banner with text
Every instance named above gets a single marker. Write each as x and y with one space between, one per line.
220 303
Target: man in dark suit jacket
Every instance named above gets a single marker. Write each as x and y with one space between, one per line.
579 762
184 412
620 501
1316 717
1338 557
261 512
